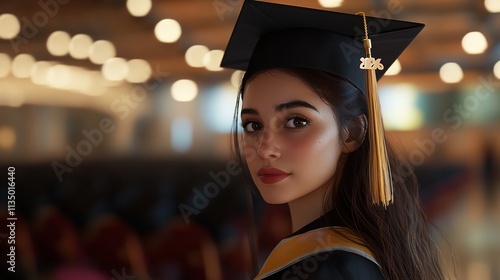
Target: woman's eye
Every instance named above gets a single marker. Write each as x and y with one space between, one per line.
296 122
251 126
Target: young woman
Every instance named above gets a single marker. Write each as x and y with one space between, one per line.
306 120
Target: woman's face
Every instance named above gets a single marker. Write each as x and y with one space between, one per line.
291 140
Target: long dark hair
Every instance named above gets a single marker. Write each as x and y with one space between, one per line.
399 235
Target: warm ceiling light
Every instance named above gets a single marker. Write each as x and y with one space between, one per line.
82 80
139 8
10 26
39 72
330 3
496 70
236 78
100 51
59 76
93 83
184 90
5 64
115 69
139 71
12 95
168 31
79 46
451 73
212 60
493 6
58 43
21 65
394 69
194 55
474 43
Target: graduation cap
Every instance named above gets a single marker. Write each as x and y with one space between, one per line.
268 35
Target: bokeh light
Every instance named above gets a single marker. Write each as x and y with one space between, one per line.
79 46
100 51
10 26
492 6
168 31
58 43
451 73
139 8
195 54
212 60
330 3
184 90
139 71
394 69
59 76
474 43
5 64
115 69
21 65
496 69
39 72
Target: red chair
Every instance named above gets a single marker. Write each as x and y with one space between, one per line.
57 239
115 248
183 251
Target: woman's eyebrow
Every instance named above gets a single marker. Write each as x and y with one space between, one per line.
294 104
249 111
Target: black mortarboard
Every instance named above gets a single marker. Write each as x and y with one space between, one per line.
268 35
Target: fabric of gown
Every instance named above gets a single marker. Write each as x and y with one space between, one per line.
331 265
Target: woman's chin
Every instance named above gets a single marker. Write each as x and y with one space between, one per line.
274 199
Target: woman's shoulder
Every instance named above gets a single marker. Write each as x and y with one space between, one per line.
337 264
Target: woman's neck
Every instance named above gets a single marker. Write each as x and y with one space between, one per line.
307 208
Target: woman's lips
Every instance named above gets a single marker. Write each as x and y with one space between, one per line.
271 175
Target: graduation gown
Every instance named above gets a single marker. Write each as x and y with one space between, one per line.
316 252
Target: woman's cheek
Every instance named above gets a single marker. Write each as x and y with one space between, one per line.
320 149
249 149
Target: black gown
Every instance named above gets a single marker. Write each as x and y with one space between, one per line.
337 264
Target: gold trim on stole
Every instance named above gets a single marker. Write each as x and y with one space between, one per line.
296 248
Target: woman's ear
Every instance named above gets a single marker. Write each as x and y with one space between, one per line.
355 134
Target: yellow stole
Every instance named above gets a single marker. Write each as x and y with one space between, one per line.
296 248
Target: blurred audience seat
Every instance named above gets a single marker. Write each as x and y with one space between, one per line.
56 238
183 251
60 250
115 248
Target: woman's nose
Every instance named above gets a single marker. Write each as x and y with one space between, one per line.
268 147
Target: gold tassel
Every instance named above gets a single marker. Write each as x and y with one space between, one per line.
380 175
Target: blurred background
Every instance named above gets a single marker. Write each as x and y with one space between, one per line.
115 116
